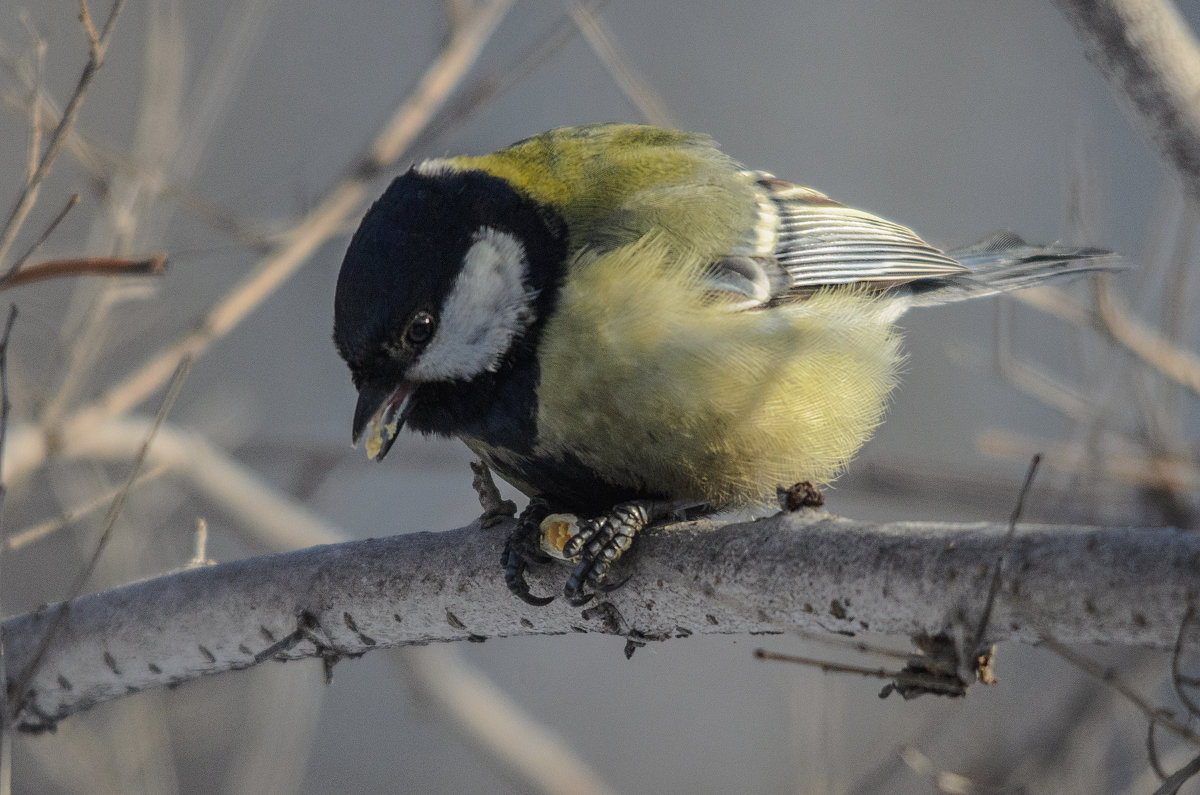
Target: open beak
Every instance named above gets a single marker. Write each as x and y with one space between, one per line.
378 416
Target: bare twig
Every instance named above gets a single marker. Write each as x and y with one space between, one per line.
1173 782
1172 361
486 88
1181 682
273 520
110 520
928 682
97 47
101 163
1110 677
86 266
1121 463
316 227
1161 353
994 586
28 535
49 230
639 91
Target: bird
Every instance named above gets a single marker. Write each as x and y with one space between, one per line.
623 322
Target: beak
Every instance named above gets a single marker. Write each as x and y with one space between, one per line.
378 415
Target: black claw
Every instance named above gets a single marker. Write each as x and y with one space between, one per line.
514 577
518 550
577 598
609 587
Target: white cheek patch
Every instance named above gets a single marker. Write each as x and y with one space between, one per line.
487 307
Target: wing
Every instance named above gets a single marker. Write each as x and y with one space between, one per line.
803 241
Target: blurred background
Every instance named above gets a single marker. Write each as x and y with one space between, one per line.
215 133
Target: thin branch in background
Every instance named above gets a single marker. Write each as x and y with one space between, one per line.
941 780
1147 52
1161 353
1110 678
488 719
110 520
1152 752
5 407
1178 679
36 129
1172 361
269 518
102 163
36 532
486 88
97 47
1177 779
49 230
1120 463
1027 377
639 90
86 266
316 227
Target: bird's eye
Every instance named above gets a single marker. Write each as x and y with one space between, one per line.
420 329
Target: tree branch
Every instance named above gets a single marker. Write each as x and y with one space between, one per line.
1148 54
797 571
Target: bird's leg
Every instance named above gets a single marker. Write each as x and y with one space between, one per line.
602 541
520 548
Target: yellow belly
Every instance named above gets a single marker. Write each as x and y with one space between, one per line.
647 380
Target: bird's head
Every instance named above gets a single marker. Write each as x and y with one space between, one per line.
440 284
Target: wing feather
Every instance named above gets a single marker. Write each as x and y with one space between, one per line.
804 241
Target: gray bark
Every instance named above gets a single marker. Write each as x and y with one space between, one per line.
806 571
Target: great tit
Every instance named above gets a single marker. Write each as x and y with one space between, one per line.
621 320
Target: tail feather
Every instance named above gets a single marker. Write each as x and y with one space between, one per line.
1003 261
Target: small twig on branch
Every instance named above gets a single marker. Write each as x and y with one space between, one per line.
994 586
926 682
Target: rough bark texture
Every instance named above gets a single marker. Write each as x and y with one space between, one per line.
805 570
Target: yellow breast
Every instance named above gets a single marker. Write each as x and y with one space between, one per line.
682 395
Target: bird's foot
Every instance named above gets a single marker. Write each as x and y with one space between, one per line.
600 543
495 508
520 548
